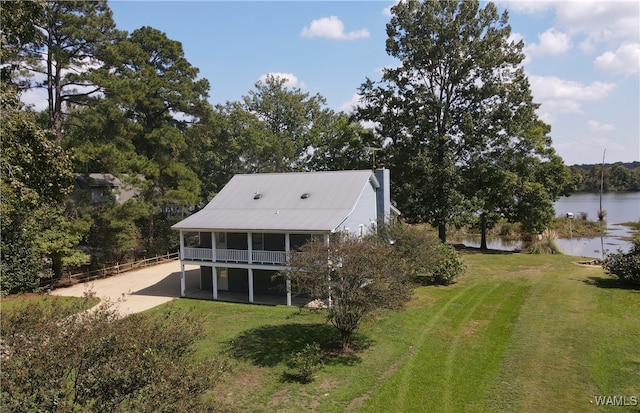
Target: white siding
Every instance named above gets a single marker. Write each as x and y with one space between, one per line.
364 212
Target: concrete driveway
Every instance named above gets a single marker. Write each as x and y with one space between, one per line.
134 291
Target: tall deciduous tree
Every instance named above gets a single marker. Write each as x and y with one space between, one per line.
292 118
274 128
457 99
344 144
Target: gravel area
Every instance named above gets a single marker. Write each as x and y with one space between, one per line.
133 291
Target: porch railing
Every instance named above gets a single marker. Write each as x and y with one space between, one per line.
269 257
229 255
232 255
202 254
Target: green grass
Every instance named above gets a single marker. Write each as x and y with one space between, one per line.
11 302
517 333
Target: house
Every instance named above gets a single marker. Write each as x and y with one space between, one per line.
101 188
243 236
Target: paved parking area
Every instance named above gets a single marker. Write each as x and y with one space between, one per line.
134 291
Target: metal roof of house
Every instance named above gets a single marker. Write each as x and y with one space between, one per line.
277 201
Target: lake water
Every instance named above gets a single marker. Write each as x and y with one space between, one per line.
620 207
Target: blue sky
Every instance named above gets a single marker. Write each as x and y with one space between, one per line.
583 58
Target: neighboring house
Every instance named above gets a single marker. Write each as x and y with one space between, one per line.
244 235
101 188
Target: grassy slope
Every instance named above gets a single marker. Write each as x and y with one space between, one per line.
19 300
518 333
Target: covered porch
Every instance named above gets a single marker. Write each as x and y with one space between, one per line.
240 285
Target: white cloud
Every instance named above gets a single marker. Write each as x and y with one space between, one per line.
291 80
551 42
332 28
35 98
625 60
387 10
526 6
597 126
351 104
558 96
601 20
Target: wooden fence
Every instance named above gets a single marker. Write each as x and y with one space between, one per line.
116 269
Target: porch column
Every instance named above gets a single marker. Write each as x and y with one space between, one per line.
326 242
213 247
183 283
249 248
287 249
250 276
181 245
214 280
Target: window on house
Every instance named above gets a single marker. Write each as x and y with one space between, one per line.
257 243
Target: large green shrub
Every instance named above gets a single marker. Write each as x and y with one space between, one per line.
625 266
60 358
423 255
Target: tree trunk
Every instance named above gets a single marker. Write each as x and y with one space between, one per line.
483 232
345 339
442 232
56 266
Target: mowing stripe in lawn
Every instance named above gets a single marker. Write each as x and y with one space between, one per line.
457 353
454 347
448 309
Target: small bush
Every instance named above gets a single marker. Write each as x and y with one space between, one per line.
544 246
448 266
507 229
542 243
306 362
625 266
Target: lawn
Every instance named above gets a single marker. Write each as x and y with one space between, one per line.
19 300
518 333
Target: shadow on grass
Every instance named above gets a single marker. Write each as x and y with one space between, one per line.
610 282
268 346
475 250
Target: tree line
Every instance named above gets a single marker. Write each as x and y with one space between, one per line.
617 177
455 122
